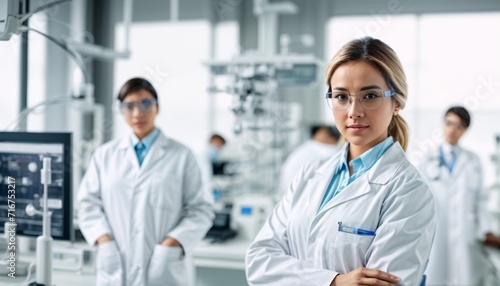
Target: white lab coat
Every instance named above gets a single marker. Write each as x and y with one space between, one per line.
139 206
457 257
203 159
299 246
305 153
205 164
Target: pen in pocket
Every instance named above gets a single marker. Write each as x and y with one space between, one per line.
354 230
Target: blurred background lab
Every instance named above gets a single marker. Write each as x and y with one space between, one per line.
251 71
322 146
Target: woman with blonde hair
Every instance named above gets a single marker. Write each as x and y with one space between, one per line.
366 216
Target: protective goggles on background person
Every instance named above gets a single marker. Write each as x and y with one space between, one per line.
453 125
127 107
369 99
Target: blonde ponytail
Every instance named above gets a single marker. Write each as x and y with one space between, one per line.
398 129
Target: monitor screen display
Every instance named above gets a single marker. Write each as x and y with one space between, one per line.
221 220
21 160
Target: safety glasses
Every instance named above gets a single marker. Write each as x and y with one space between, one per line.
145 105
369 99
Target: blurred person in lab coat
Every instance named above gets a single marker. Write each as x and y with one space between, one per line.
215 145
141 200
463 221
366 216
321 146
207 159
210 155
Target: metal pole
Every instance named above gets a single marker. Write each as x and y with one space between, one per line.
23 66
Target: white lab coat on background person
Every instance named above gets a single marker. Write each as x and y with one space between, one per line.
307 152
206 170
206 158
457 256
299 246
139 206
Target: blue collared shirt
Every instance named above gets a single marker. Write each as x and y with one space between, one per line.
360 165
142 147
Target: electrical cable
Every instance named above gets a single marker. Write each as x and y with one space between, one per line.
86 34
14 125
24 114
41 8
76 57
28 276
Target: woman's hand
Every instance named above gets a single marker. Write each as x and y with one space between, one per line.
365 276
103 239
491 240
170 242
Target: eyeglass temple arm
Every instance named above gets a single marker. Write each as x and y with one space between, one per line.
329 93
389 93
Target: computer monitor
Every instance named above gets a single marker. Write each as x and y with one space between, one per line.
21 159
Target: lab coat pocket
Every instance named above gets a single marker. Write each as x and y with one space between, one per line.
167 267
354 247
108 264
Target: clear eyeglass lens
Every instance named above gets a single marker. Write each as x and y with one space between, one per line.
453 125
369 99
144 105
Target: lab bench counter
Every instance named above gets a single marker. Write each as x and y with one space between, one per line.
227 255
216 264
85 277
221 264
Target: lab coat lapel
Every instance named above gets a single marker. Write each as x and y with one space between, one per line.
387 166
356 189
156 153
379 174
320 182
459 162
318 185
129 153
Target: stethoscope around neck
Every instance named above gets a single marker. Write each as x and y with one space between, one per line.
436 162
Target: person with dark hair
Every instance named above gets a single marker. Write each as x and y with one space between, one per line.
208 160
455 175
141 200
322 146
216 143
366 216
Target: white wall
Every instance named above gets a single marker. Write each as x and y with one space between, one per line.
9 80
170 56
9 76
